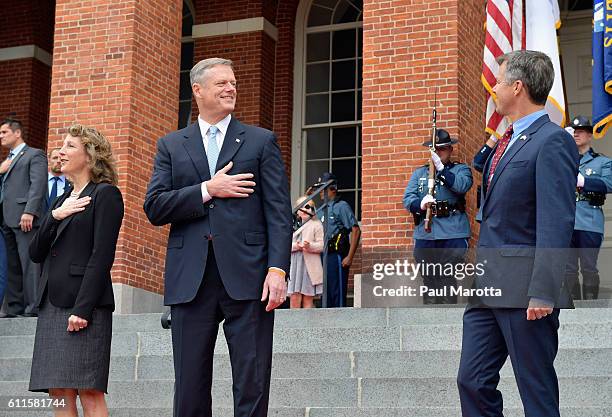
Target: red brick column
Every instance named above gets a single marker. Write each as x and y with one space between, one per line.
410 51
27 28
283 86
116 68
472 99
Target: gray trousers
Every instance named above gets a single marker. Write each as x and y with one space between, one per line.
23 274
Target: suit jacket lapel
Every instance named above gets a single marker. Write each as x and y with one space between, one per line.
521 141
62 226
195 149
15 159
234 138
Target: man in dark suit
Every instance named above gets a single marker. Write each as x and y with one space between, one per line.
527 210
24 174
222 187
56 181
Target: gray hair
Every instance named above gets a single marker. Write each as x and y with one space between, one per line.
534 69
198 72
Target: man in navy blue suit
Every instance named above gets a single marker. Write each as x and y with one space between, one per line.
222 187
527 213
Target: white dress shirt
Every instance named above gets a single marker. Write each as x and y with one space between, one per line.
222 130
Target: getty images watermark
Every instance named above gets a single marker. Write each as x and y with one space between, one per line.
440 279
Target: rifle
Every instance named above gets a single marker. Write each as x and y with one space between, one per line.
432 168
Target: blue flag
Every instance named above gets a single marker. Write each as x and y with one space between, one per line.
602 67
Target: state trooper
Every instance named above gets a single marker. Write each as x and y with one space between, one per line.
342 235
450 230
593 183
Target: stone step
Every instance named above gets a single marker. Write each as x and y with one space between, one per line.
329 412
312 340
600 311
123 344
347 392
445 363
372 339
393 364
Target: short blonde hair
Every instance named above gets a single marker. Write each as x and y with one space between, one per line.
102 162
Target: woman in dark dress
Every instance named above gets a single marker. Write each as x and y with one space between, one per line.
76 245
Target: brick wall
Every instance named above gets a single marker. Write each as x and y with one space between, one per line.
37 120
211 11
410 51
116 68
283 85
253 57
472 101
27 81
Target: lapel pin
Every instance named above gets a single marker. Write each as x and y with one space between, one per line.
523 137
237 140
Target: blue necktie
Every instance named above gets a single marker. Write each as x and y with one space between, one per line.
53 193
213 150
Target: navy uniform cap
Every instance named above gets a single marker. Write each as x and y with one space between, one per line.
581 122
442 139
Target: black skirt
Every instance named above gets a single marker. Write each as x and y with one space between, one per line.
63 359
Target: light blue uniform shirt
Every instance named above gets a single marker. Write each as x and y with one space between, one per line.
451 187
597 172
340 216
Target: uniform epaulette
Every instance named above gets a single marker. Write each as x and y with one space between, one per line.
596 154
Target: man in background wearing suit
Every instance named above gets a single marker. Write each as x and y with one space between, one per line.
24 174
56 182
527 210
222 187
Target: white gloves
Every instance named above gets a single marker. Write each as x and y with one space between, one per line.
426 200
580 181
437 161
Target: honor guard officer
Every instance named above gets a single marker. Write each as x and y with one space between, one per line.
593 183
342 235
450 230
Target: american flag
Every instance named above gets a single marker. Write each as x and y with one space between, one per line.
505 32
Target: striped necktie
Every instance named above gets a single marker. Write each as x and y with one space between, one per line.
499 151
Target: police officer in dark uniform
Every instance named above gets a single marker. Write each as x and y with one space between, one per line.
593 183
448 240
342 235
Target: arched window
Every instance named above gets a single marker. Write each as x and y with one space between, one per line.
328 95
186 64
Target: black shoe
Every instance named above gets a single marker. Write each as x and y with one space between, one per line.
447 299
590 293
429 299
30 315
7 316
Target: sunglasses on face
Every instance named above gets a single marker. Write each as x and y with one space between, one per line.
307 209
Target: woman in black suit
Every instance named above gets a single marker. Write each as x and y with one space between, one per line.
76 244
